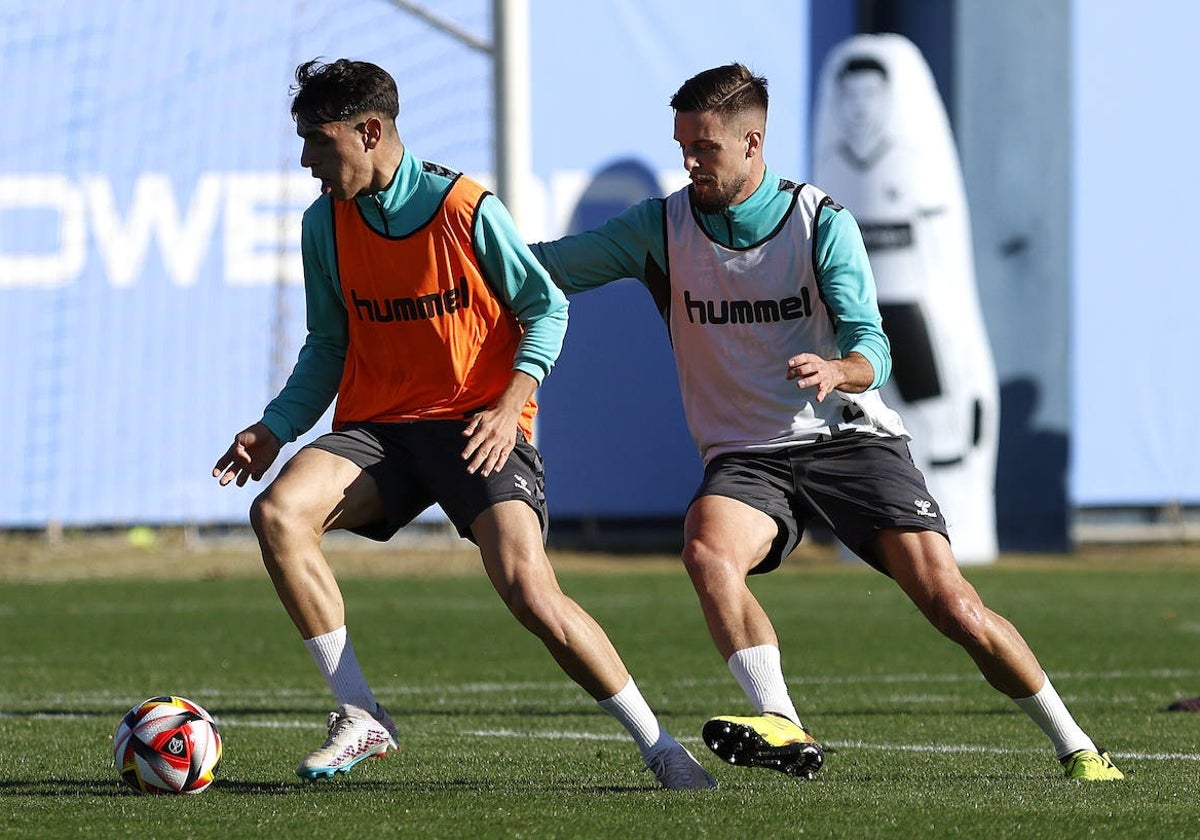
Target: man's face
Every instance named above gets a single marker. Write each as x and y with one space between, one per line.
335 153
863 101
717 158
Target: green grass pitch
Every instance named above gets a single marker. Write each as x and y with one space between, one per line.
496 742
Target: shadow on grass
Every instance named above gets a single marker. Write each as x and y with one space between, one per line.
914 712
340 787
39 788
318 713
64 787
65 714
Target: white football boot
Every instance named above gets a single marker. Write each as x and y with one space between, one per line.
354 735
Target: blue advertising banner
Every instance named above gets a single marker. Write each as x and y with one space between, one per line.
150 198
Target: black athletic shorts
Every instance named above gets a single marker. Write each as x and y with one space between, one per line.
416 465
857 485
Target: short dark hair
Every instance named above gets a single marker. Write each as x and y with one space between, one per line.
342 89
730 89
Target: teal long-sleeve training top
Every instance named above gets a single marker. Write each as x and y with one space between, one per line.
405 205
624 246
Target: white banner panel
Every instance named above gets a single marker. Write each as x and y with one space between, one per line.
1137 289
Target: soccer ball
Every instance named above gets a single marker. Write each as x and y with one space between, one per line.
167 745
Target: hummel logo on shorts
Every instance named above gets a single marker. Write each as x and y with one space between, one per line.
521 483
923 508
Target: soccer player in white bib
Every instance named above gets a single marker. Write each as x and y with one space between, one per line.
770 303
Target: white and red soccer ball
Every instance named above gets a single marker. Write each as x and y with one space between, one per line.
167 745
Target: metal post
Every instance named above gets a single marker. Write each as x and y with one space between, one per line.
510 57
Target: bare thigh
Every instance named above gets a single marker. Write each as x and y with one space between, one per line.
724 530
510 543
322 491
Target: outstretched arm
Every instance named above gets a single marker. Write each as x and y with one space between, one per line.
313 382
619 248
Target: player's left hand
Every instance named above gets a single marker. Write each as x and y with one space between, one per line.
250 455
811 371
491 437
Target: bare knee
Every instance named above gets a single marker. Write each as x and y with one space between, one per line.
277 522
922 564
960 616
267 514
537 608
705 561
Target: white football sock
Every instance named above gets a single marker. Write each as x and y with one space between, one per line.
759 671
1048 711
334 655
631 709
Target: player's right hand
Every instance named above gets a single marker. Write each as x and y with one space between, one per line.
250 455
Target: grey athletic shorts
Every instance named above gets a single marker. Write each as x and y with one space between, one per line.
416 465
857 485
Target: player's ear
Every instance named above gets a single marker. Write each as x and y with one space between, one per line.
754 141
372 131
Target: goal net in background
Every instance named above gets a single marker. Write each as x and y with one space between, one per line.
150 197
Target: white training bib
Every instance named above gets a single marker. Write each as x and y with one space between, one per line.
737 315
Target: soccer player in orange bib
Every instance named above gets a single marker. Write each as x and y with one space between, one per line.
432 324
